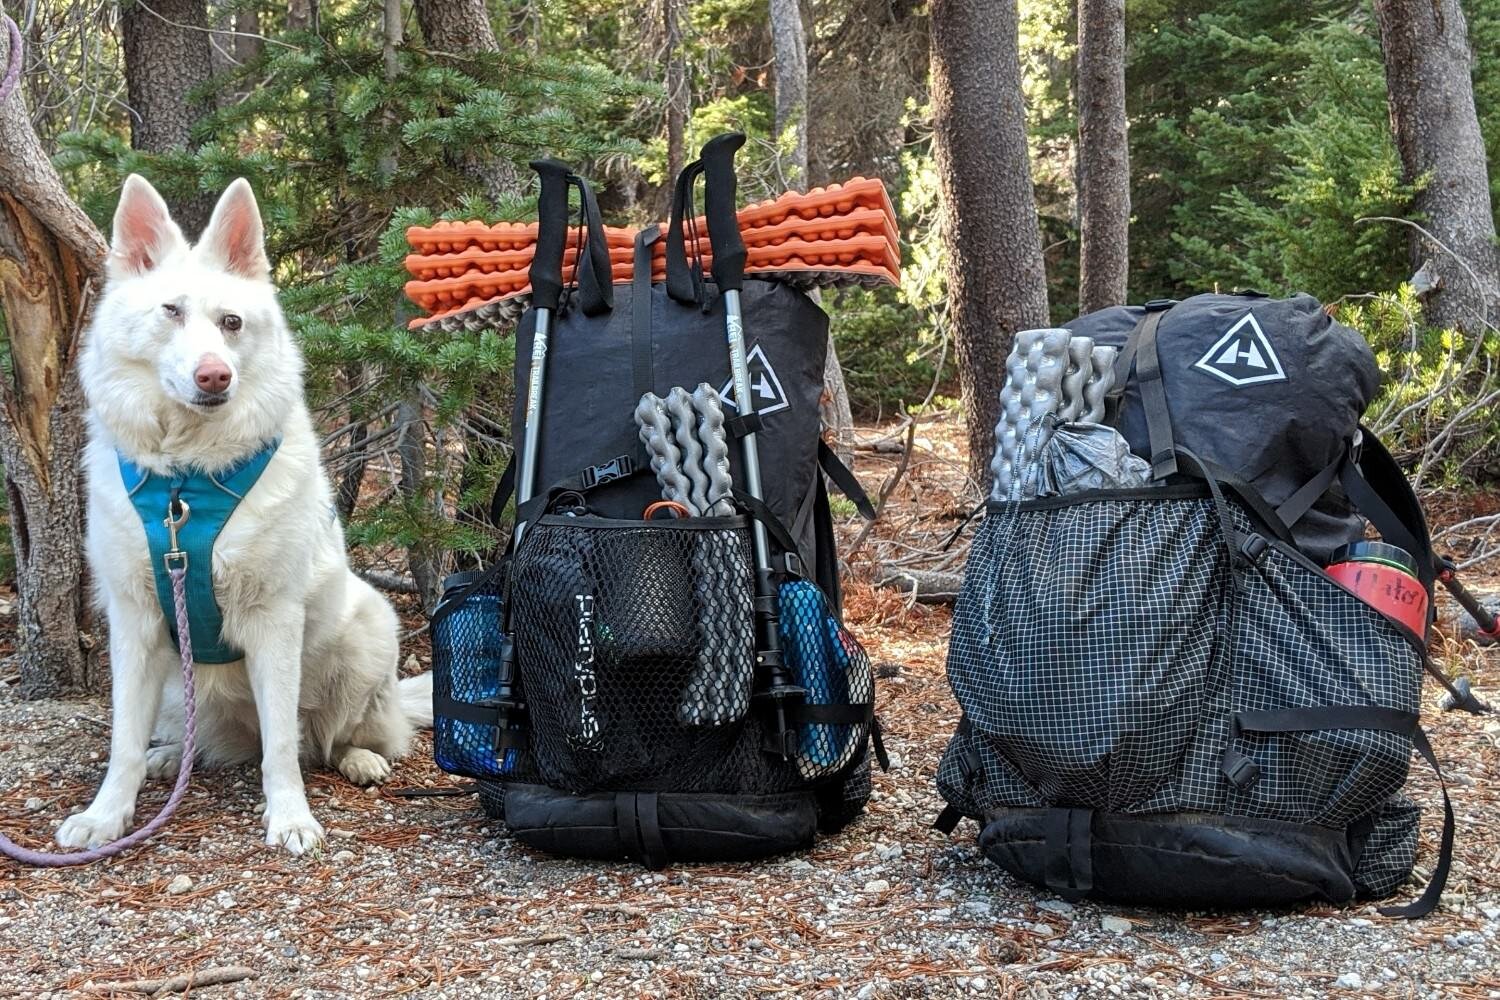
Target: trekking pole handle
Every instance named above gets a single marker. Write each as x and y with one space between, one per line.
719 197
552 233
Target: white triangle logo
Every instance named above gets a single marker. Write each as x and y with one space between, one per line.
1243 356
764 385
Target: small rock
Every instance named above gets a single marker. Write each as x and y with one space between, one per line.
980 984
865 992
1219 959
338 834
877 885
1061 907
110 894
342 857
34 804
1116 925
1350 981
288 951
224 901
412 664
179 885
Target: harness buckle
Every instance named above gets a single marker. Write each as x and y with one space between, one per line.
178 512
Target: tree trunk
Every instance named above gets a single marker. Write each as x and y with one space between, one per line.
459 26
49 254
789 43
299 15
1103 156
677 93
462 27
167 55
1427 74
996 282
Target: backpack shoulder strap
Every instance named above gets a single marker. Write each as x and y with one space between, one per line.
1379 490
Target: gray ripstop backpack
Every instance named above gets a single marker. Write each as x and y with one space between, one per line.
646 719
1165 697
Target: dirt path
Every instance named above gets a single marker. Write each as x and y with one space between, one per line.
423 897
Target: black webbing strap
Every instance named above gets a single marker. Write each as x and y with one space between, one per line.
641 369
1296 506
1069 865
463 711
684 283
1379 490
841 476
1154 399
1248 495
595 278
947 821
1296 720
758 510
504 489
638 826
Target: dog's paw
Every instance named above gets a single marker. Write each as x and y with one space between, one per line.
164 761
89 829
364 767
296 831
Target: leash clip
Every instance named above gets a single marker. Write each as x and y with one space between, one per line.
174 520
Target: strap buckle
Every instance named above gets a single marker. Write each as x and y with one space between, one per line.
607 472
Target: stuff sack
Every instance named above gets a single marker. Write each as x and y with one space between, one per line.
645 719
1270 389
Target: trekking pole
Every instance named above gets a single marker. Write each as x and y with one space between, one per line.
1460 692
546 293
729 272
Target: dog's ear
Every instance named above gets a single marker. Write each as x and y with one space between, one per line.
144 233
234 238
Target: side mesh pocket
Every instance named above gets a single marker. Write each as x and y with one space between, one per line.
466 634
827 661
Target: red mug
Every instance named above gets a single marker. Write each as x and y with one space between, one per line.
1384 577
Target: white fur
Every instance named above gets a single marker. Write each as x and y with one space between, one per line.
319 676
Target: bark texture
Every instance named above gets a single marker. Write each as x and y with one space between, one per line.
789 41
167 55
1103 156
996 281
49 254
677 92
1427 72
462 27
789 44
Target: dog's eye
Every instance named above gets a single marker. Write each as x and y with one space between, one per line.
232 323
172 309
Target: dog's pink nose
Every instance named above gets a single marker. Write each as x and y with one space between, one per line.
212 374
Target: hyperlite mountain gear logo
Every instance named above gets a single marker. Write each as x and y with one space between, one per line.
764 385
1243 356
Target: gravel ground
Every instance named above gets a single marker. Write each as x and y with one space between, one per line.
423 896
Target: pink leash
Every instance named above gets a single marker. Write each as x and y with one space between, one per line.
42 859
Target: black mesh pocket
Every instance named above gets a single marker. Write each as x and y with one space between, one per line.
635 643
466 634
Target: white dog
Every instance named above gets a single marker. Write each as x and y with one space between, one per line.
189 364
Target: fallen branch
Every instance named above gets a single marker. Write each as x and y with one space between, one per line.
887 489
178 984
527 941
926 586
395 583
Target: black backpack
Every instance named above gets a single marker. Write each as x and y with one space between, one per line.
1165 697
646 719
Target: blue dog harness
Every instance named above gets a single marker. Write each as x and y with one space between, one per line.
206 501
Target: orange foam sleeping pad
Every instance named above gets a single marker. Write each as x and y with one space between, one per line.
836 199
439 294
